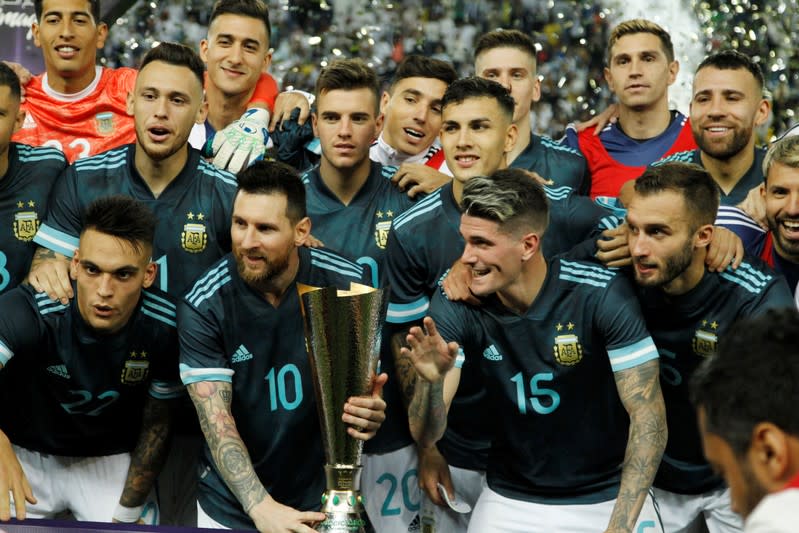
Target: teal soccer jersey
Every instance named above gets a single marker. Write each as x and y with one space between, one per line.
359 229
753 177
77 392
687 329
561 427
24 190
193 211
230 333
554 161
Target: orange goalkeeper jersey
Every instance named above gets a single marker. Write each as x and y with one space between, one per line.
82 124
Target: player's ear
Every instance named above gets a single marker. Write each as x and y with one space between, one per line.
608 76
379 124
150 272
531 242
302 230
267 61
510 138
202 111
129 103
35 33
19 120
102 34
204 50
769 456
73 265
763 111
674 69
703 236
384 98
536 87
314 118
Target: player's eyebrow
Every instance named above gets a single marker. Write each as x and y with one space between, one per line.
125 269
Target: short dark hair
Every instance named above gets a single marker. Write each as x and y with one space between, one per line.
272 177
784 151
506 39
246 8
508 197
692 182
416 66
176 54
752 379
733 60
9 78
634 26
122 217
94 8
474 87
348 74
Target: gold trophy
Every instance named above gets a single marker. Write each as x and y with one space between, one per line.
342 336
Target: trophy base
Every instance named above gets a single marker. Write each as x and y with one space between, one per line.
345 513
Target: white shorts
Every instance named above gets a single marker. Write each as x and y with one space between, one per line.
496 513
390 488
88 487
468 485
681 511
203 520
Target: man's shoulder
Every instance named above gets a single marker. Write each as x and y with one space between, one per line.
558 150
328 266
112 159
686 156
423 213
588 274
119 80
159 307
217 176
750 280
41 156
212 286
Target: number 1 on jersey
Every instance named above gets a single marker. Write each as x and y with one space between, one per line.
163 272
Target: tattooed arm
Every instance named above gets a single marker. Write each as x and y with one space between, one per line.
149 455
212 400
639 390
49 273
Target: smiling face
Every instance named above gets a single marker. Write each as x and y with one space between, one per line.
640 73
166 103
515 70
110 275
476 134
69 38
494 257
236 53
412 114
781 195
726 107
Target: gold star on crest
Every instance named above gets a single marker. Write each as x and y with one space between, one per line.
379 214
559 327
20 204
704 323
714 325
133 354
143 355
190 216
570 326
31 203
389 213
200 216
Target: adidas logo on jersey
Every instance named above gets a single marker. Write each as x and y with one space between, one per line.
59 370
29 122
492 354
241 354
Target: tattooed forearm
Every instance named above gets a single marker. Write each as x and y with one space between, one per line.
149 455
639 390
427 413
43 254
406 373
212 400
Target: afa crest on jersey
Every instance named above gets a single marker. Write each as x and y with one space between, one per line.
705 339
194 236
382 227
104 122
136 368
26 221
567 350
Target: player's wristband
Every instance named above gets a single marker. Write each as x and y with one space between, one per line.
128 515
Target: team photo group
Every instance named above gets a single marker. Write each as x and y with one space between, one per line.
591 333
